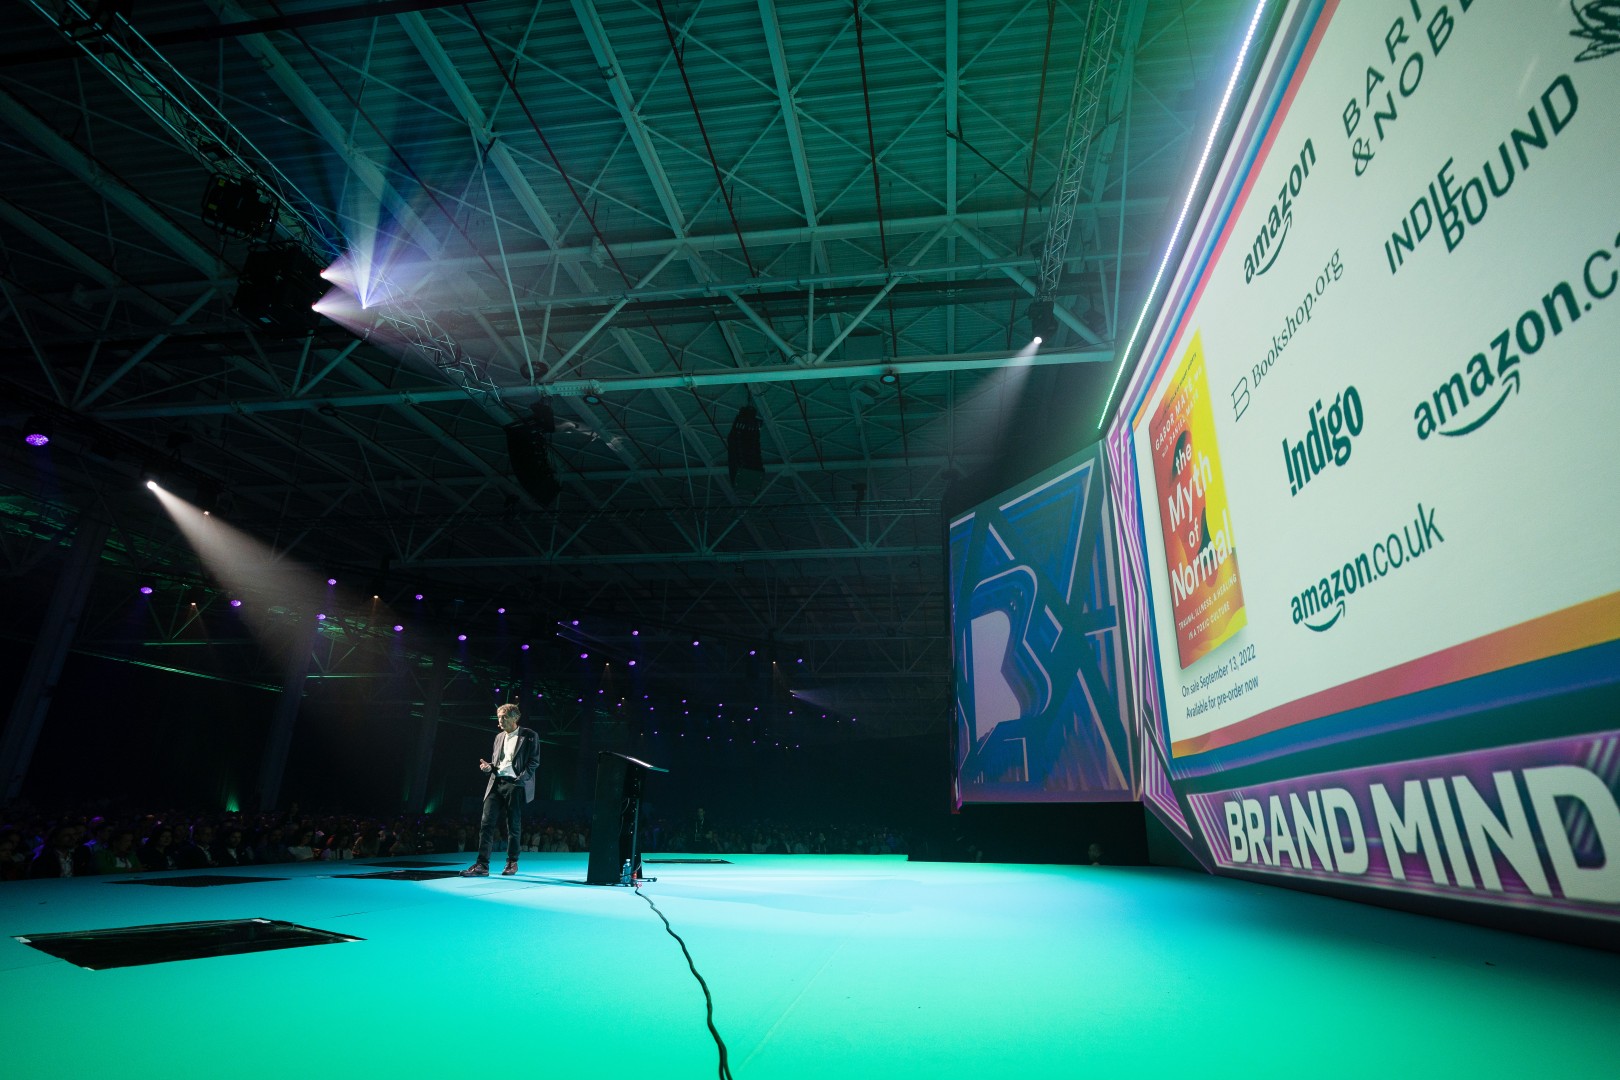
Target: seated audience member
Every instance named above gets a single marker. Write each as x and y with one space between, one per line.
403 843
93 841
13 857
234 851
273 849
11 868
197 853
365 843
119 855
84 852
338 847
300 850
55 857
158 851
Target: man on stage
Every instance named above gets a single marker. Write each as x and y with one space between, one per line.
511 784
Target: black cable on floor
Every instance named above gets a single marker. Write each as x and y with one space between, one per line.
708 1001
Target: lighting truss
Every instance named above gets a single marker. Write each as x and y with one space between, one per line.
1085 123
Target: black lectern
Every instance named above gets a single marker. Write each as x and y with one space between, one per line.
615 822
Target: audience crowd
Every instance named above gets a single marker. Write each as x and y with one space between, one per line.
39 845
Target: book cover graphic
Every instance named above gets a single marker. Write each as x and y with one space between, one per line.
1205 593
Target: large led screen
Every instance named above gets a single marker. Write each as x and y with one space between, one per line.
1035 642
1366 462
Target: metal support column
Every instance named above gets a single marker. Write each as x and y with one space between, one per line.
51 646
300 657
427 731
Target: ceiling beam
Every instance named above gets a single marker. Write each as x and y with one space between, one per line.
863 229
1064 315
639 558
368 172
607 63
789 107
89 171
378 395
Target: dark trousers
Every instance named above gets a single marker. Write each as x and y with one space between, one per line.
505 800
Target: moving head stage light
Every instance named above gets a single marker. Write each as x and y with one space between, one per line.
278 287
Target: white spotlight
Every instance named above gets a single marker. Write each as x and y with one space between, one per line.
152 484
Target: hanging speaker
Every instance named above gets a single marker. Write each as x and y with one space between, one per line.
531 462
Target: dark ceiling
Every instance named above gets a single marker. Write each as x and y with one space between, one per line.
643 217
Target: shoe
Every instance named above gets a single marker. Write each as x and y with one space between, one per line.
511 868
477 869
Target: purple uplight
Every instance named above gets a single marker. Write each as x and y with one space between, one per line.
632 663
398 629
331 581
236 603
419 596
37 438
635 633
146 590
576 622
694 643
584 656
750 652
524 646
500 611
321 617
461 637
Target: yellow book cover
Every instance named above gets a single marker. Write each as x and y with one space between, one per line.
1198 547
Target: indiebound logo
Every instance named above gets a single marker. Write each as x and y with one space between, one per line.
1273 232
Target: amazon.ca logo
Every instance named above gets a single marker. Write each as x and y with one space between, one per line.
1273 231
1320 606
1469 399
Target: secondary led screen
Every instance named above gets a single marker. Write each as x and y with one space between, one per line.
1036 643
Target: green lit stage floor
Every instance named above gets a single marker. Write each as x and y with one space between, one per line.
819 967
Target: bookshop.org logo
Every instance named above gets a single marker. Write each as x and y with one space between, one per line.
1327 439
1273 231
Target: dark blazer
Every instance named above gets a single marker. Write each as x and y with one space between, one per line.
523 762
